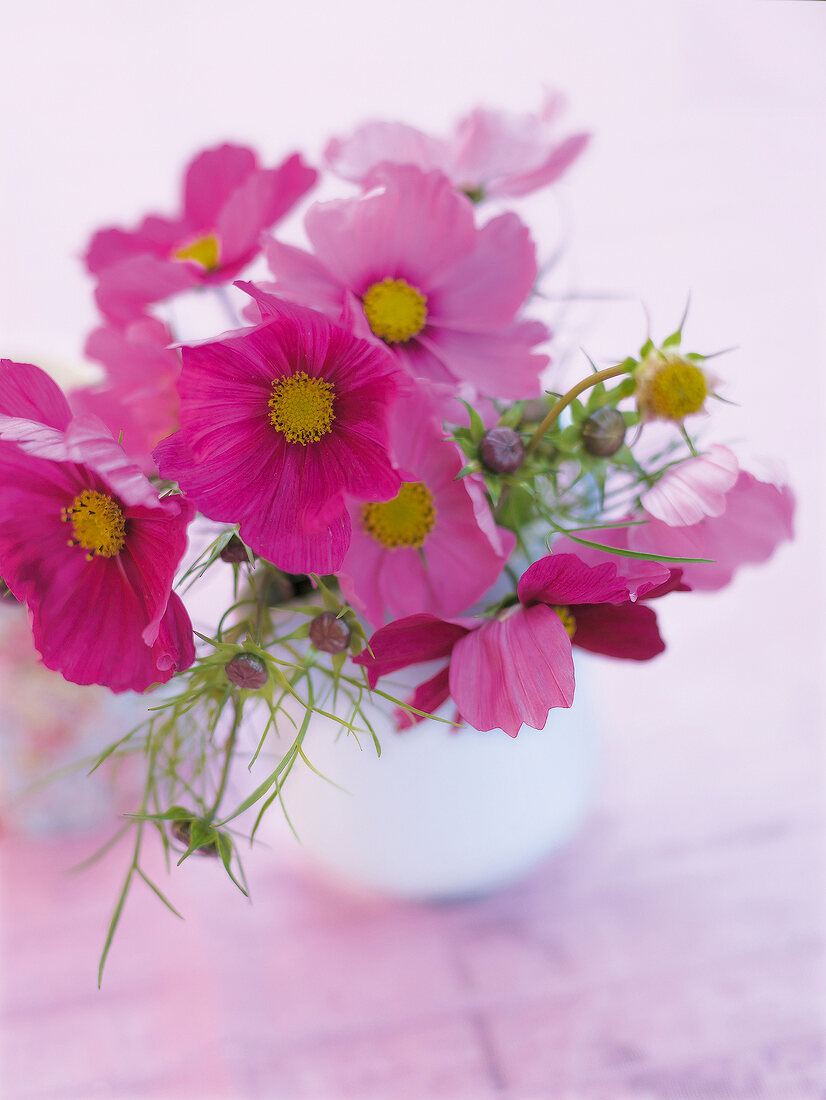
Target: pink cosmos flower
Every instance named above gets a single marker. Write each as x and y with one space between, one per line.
490 153
278 423
756 519
138 402
86 542
419 276
511 670
694 489
228 200
435 547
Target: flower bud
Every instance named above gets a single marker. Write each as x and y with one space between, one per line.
502 450
234 552
245 670
329 634
182 832
603 433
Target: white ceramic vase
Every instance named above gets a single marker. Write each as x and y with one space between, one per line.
443 813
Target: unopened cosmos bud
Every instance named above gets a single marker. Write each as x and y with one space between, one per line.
245 670
329 634
502 450
603 433
234 552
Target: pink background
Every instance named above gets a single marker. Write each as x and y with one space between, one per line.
676 948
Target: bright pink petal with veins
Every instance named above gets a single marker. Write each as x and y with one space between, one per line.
512 671
640 575
564 579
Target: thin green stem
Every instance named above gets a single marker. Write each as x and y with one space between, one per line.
229 748
567 398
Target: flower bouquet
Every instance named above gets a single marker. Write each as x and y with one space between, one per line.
376 462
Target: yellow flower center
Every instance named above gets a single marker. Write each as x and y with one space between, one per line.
204 251
395 310
406 520
97 523
568 620
676 389
301 408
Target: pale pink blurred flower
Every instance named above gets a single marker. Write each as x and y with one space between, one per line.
489 153
757 518
694 489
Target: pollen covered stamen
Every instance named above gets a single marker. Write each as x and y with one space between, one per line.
676 390
406 520
395 310
204 251
302 408
97 522
566 617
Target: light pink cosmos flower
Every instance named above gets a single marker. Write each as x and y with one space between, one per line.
419 276
228 200
490 153
511 670
757 518
435 547
278 423
86 542
138 402
694 489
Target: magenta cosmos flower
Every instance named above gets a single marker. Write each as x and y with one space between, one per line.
757 516
435 547
228 200
490 153
86 542
512 670
442 294
278 423
138 401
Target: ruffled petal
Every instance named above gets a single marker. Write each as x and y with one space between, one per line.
353 157
27 391
694 489
565 579
627 630
428 697
497 364
512 671
411 641
485 289
413 226
257 204
210 180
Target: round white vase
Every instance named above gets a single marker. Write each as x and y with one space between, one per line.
442 813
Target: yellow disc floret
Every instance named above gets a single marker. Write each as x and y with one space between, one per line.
204 251
301 407
406 520
671 388
568 620
395 310
97 522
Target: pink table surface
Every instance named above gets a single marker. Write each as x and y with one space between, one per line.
674 950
